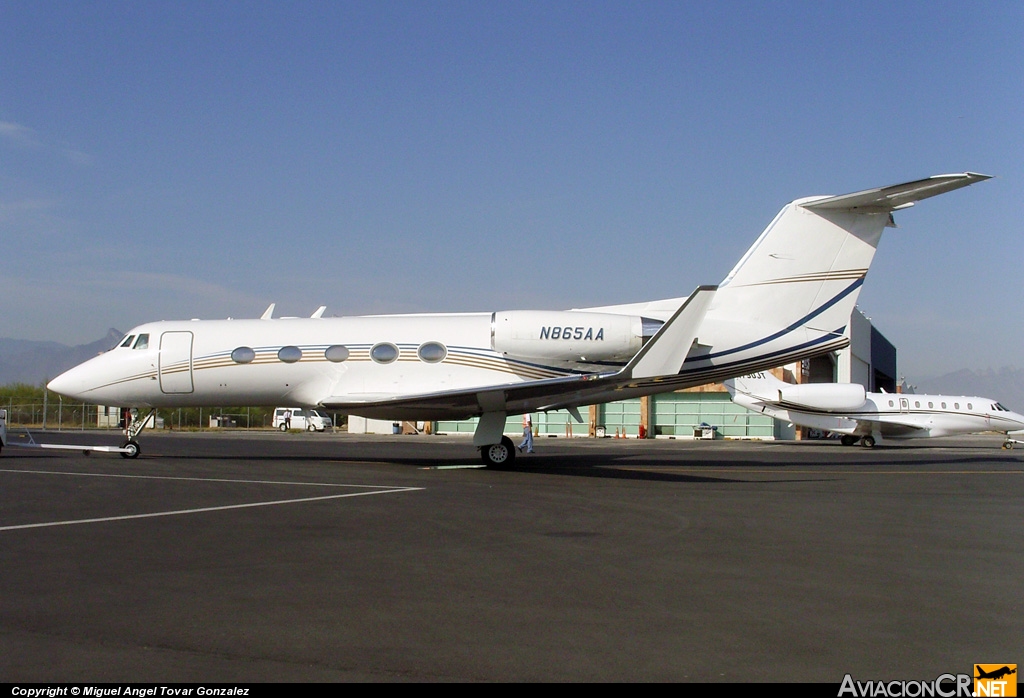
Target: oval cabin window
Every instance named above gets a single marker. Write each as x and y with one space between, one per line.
336 353
289 354
384 353
243 355
432 352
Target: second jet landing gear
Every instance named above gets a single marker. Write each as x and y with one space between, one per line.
850 440
131 448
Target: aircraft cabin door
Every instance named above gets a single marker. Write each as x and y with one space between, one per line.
904 404
176 362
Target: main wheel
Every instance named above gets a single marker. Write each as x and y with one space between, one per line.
868 442
499 455
131 449
848 440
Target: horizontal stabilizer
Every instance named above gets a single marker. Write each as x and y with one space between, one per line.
897 196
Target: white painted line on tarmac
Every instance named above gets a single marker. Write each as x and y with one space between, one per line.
203 509
197 479
377 489
452 467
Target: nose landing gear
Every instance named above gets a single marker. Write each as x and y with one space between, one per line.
131 448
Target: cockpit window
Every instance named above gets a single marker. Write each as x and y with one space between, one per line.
142 342
128 341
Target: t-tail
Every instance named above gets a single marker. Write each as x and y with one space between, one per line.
791 295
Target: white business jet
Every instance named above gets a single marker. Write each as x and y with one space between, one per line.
790 297
847 409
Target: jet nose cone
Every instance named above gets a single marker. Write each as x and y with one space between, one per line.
58 384
68 384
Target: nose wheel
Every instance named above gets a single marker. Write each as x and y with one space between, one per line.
131 446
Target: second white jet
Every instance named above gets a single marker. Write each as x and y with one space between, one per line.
848 409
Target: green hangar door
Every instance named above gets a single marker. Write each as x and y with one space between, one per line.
176 362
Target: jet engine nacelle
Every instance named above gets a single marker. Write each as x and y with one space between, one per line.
824 396
566 335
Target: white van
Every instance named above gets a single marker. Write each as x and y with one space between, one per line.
286 418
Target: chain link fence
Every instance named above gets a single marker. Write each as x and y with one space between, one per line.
60 415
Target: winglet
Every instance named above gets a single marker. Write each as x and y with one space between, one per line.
319 312
664 354
268 314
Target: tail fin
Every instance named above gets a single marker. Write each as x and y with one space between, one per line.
792 293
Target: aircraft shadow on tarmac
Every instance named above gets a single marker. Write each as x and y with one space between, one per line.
599 462
608 466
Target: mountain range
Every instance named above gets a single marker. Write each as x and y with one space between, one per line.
34 362
1005 385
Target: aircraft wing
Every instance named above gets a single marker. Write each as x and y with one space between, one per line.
663 355
470 402
896 429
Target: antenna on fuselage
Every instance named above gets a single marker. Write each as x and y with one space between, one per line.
269 313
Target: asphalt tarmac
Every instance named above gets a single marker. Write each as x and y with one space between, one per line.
320 557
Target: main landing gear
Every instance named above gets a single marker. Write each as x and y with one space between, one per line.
496 449
850 440
131 448
499 455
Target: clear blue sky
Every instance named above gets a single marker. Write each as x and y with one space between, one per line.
168 160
